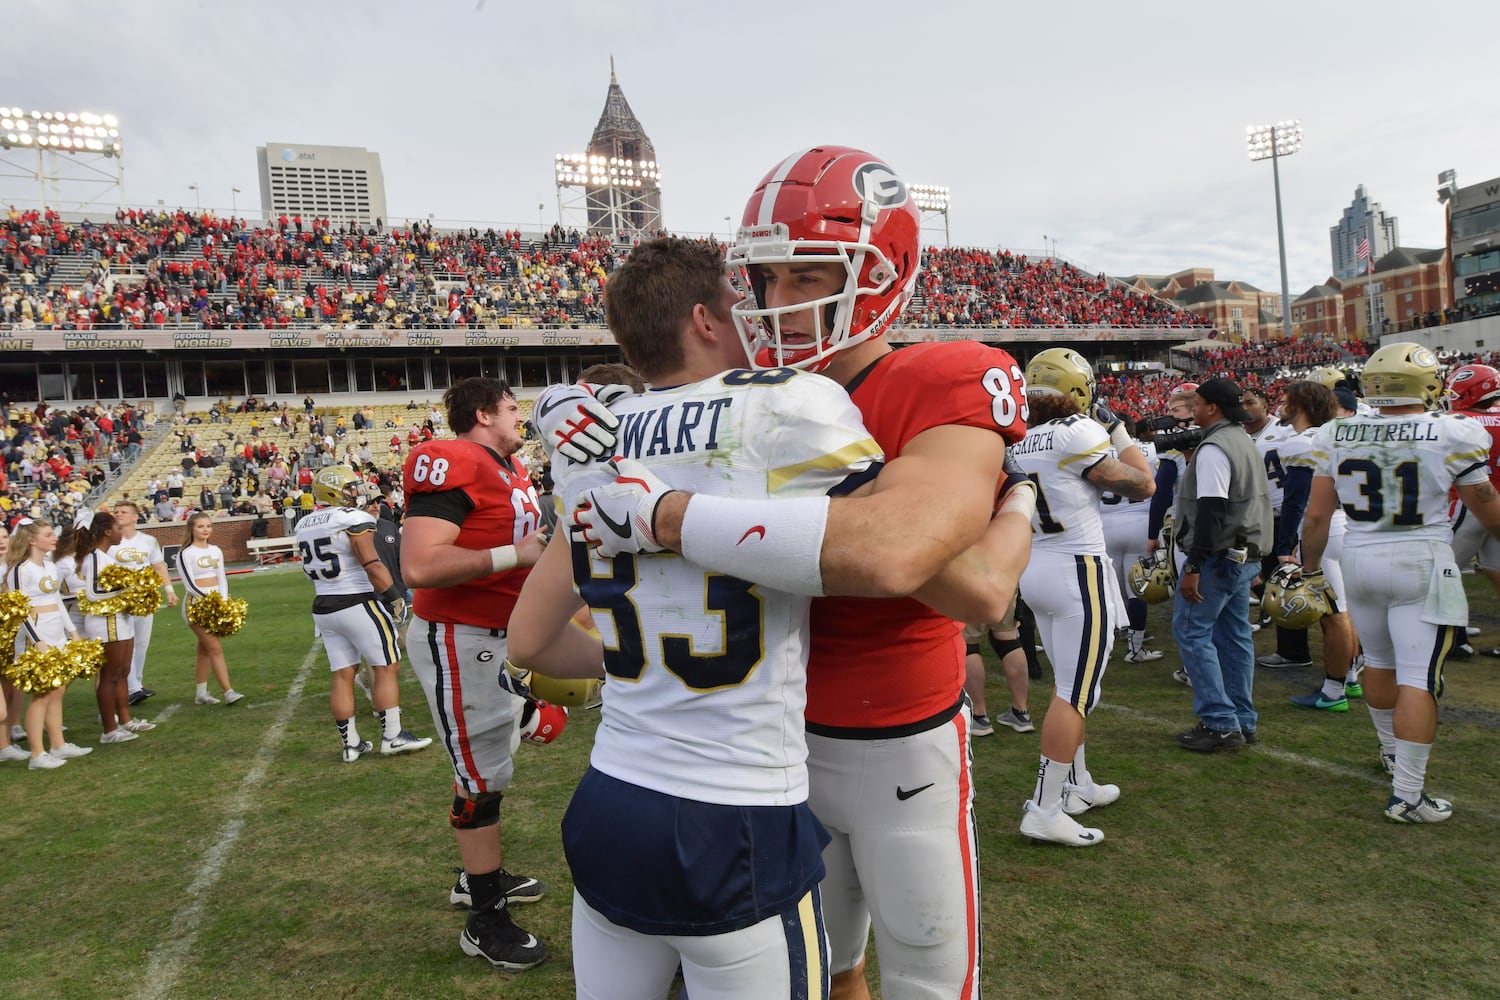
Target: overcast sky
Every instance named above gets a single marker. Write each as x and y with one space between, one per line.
1117 130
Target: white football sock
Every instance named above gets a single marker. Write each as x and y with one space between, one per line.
1411 770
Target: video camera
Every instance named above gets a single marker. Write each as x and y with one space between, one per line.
1171 434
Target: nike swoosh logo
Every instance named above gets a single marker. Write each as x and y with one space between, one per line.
1085 835
758 529
552 404
621 528
903 794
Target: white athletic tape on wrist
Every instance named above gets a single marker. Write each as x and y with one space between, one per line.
776 543
1020 500
1120 439
502 558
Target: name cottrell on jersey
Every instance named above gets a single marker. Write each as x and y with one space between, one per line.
492 501
684 644
1057 456
327 557
1393 472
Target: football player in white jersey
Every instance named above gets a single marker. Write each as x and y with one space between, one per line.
1069 583
1307 406
1268 435
702 740
136 551
1126 526
1391 472
357 608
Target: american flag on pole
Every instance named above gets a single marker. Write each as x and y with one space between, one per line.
1363 251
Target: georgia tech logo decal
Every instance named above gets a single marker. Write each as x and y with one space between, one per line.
1422 356
878 184
129 556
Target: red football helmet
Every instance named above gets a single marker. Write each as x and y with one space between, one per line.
1183 388
824 205
1471 385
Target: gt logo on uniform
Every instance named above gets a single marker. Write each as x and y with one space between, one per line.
879 185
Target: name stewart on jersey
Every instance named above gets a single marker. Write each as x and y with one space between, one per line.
675 429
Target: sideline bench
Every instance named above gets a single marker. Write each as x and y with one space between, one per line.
268 551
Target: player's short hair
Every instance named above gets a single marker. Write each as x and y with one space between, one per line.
1260 394
650 296
1313 400
613 374
467 397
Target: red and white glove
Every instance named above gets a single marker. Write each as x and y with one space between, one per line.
542 721
574 421
620 516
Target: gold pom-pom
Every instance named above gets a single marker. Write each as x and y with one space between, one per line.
14 609
136 592
215 613
37 672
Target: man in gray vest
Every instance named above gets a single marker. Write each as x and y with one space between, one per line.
1223 517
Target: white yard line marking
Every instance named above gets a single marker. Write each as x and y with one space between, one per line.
1369 777
168 958
168 712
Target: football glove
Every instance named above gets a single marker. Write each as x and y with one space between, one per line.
1105 416
398 610
574 421
620 516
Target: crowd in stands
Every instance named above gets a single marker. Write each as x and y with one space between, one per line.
169 268
1310 352
972 287
50 458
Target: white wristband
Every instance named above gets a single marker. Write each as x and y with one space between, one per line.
1120 440
776 543
502 558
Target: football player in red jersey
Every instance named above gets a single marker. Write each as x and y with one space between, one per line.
1473 390
829 252
469 539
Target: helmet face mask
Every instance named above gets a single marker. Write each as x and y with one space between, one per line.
1471 386
1067 373
826 205
1402 374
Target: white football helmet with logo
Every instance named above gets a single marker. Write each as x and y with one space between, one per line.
1151 577
1290 602
1064 372
828 204
1402 374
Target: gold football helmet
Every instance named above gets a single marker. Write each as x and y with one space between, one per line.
572 692
1402 375
1152 578
1290 602
339 486
1066 372
1328 378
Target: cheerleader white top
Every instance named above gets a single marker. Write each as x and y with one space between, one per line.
196 563
89 567
39 584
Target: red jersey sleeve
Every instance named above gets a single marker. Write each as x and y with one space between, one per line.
929 385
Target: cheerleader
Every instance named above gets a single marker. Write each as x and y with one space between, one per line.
66 560
201 566
97 533
30 571
10 698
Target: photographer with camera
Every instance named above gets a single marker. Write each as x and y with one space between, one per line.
1223 523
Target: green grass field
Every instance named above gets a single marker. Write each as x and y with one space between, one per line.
230 853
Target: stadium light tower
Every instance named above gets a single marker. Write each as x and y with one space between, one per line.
1272 142
618 196
931 200
71 147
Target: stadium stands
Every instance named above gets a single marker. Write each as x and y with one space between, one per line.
186 269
